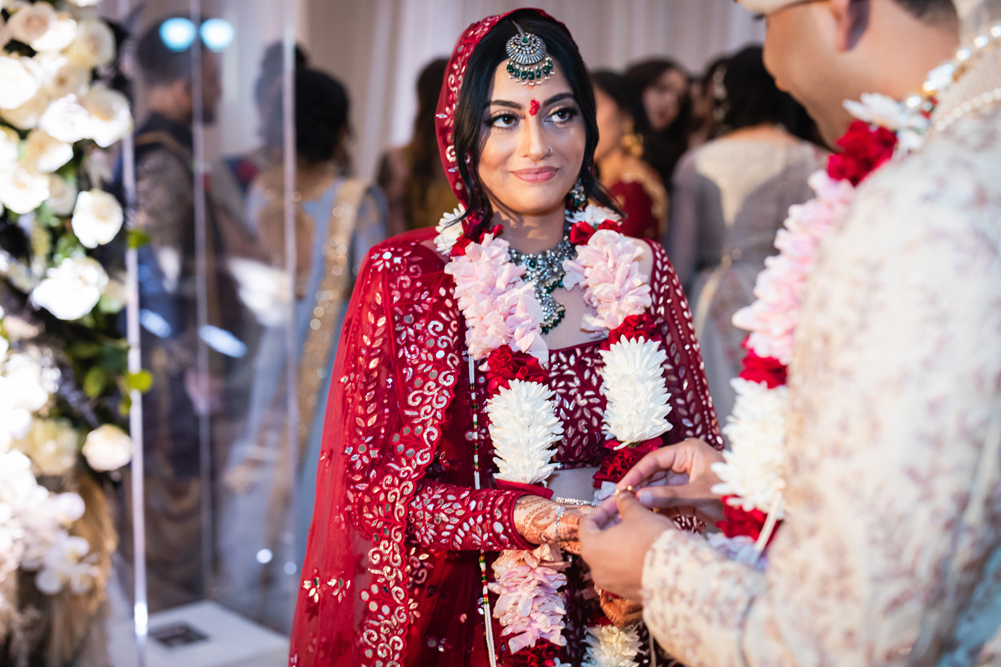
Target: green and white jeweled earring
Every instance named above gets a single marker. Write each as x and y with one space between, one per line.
577 196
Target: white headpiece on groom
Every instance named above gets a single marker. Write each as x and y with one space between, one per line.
765 6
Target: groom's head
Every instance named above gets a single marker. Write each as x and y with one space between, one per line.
826 51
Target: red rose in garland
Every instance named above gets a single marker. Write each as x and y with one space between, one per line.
504 365
582 232
769 370
740 522
865 149
632 328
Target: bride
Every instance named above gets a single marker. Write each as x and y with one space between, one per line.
490 377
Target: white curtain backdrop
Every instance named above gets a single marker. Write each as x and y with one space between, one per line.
378 47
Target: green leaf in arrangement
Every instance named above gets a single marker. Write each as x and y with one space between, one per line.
141 381
109 305
125 405
45 216
94 382
113 360
138 238
67 246
84 349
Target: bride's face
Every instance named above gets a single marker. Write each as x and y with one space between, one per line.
531 144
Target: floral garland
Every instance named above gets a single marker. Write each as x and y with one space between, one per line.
503 330
62 359
753 474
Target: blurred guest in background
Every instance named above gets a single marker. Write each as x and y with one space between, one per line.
704 91
730 198
232 176
412 176
663 87
637 188
337 220
169 300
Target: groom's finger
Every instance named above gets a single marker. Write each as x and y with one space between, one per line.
628 506
648 466
664 497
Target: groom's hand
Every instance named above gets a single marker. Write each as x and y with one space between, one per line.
678 479
614 540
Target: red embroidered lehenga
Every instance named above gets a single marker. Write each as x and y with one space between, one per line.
391 574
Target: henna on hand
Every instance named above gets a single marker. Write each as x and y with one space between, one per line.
535 518
620 611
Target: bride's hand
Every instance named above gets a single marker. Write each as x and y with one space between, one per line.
536 519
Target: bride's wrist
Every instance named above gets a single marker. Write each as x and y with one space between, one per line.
534 517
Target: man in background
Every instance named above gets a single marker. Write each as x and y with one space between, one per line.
183 392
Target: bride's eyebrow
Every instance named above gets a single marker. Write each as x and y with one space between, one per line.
514 105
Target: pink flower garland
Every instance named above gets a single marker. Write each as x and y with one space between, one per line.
527 585
500 308
773 318
608 269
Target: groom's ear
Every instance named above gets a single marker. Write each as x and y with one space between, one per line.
851 19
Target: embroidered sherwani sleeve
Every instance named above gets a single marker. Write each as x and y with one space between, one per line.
893 489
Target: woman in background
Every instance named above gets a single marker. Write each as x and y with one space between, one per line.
412 176
636 187
663 87
730 198
337 220
703 121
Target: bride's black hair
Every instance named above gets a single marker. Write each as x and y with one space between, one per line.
487 56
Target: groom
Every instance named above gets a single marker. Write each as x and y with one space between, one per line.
890 552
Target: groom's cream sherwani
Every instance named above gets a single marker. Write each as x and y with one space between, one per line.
891 553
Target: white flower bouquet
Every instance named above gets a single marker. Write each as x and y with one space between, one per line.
63 375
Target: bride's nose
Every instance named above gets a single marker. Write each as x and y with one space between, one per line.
533 140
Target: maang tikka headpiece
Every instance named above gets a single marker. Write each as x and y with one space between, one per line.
528 59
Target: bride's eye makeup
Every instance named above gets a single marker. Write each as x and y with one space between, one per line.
561 117
502 120
564 115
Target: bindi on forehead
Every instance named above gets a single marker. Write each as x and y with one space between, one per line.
534 107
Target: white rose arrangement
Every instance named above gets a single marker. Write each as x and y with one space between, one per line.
97 218
63 383
107 448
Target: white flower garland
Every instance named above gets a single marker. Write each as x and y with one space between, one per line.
633 384
753 471
501 309
609 646
523 428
